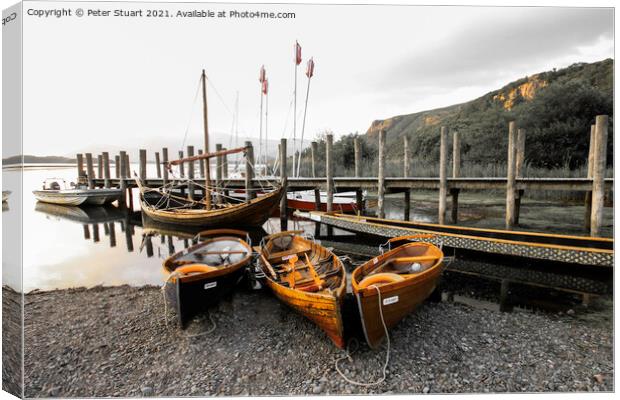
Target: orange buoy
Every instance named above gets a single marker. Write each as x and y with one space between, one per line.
380 279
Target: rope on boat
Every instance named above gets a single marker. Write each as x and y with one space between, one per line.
163 292
387 354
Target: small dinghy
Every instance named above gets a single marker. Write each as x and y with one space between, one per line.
392 285
56 191
307 277
201 274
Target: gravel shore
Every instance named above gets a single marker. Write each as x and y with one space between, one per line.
113 341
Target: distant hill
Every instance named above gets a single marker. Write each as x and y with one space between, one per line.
37 159
555 107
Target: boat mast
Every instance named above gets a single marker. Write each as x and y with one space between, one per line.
206 150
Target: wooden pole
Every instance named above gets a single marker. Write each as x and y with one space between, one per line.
106 169
598 175
182 165
80 166
510 179
158 164
456 172
358 157
284 183
164 157
91 170
201 165
142 157
123 184
249 172
100 166
127 166
218 173
314 148
407 211
205 116
190 174
519 171
406 165
329 172
443 169
381 176
224 172
117 166
112 229
588 199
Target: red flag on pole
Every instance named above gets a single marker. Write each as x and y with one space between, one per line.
262 75
297 53
310 69
265 86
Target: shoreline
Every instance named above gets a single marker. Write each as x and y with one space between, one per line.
113 341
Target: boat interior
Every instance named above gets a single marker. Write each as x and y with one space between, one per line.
301 264
213 254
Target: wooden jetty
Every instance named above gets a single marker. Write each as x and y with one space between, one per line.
594 185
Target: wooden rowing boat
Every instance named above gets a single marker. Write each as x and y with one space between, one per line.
307 277
201 274
54 193
392 285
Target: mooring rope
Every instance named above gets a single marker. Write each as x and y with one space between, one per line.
387 354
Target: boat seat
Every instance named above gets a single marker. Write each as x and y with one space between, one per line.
277 256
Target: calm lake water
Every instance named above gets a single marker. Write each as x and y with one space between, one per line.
75 247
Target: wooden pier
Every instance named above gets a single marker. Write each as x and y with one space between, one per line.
594 186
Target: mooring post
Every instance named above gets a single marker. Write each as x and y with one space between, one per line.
158 164
511 175
149 246
218 173
406 171
598 175
284 183
91 170
164 158
190 174
117 166
128 236
86 231
588 199
519 171
249 172
99 166
127 166
443 172
142 157
329 172
359 198
381 176
201 165
456 172
112 229
314 149
407 212
106 170
123 183
80 166
181 165
95 233
224 172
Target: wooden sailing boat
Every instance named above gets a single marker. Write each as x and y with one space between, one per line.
162 205
307 277
392 285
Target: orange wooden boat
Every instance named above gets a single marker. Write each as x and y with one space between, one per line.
392 285
307 277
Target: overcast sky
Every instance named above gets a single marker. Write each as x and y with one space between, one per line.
129 82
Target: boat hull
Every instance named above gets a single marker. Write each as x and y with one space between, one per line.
396 300
95 197
254 213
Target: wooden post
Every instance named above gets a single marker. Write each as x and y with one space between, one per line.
443 172
456 172
314 149
86 231
406 165
224 172
142 165
91 170
80 166
181 165
128 236
329 172
218 173
510 179
201 165
127 166
112 229
149 246
95 233
284 183
588 199
190 173
381 176
100 166
158 164
117 166
164 158
358 157
106 169
598 175
123 184
519 171
249 172
407 212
